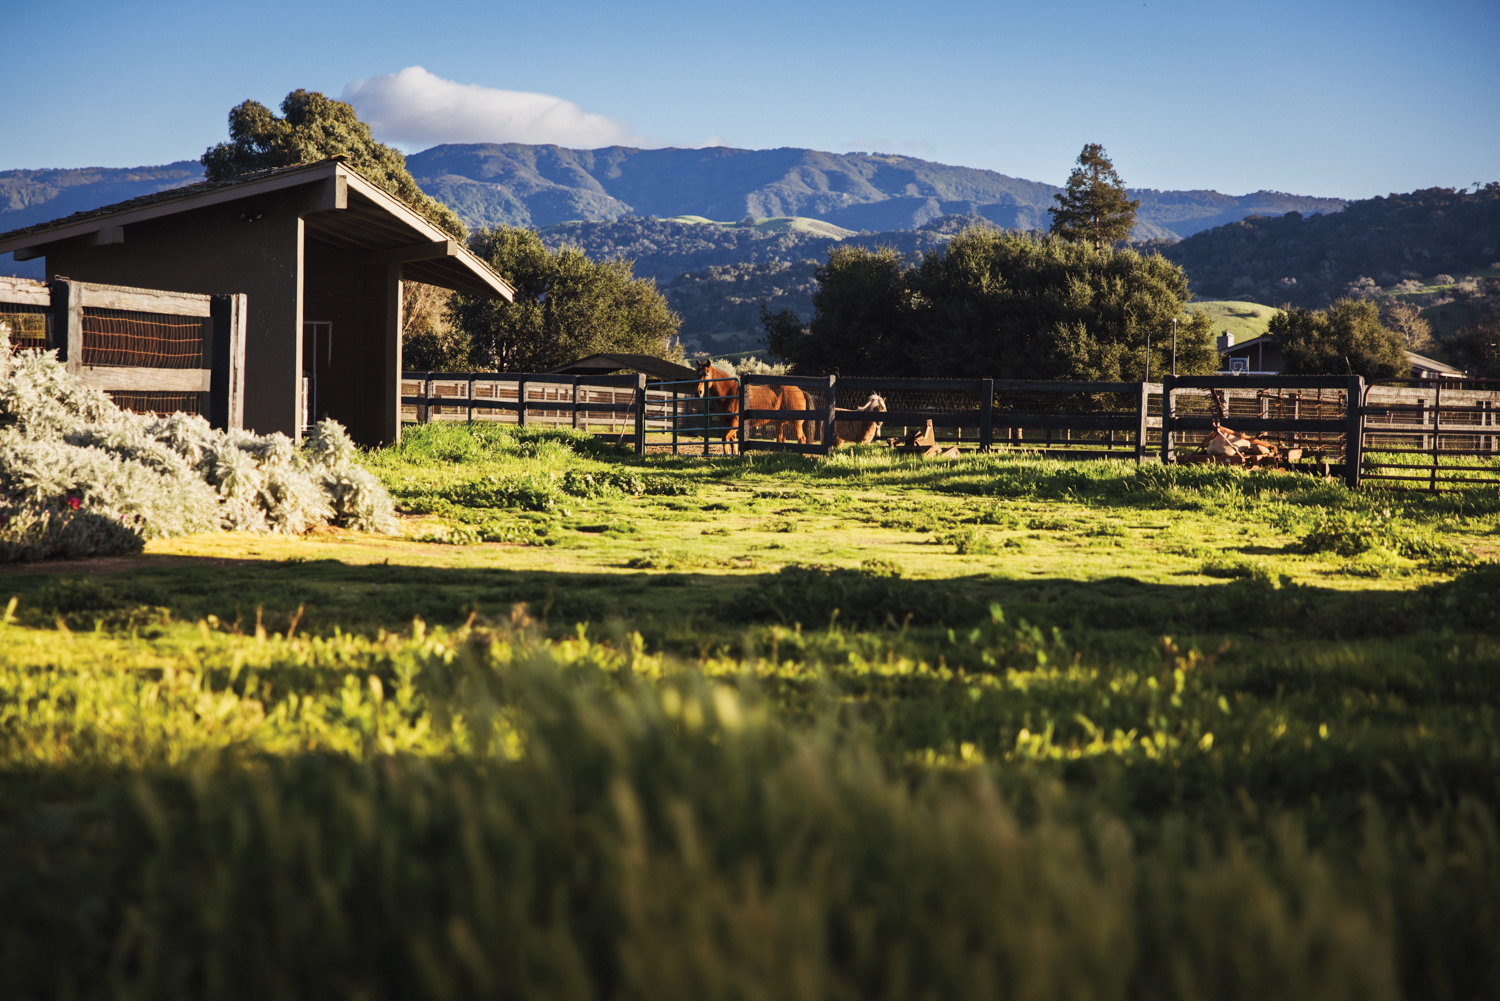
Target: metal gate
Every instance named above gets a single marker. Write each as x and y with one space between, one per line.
1431 434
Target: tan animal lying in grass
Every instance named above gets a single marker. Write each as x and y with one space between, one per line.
1228 447
860 432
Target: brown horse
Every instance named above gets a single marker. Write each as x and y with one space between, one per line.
722 391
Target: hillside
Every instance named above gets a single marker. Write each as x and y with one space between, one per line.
516 184
28 197
1373 243
715 275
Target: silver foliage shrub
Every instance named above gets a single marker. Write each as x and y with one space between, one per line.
80 476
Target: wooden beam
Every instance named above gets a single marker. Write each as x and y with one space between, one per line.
109 234
145 300
147 380
412 252
29 253
24 292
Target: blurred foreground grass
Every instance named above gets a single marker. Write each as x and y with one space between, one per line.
752 729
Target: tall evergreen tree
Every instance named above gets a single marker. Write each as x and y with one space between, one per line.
1094 207
313 127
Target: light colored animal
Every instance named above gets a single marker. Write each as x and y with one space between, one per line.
860 432
721 391
1228 447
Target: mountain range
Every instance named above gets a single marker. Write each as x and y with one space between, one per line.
521 185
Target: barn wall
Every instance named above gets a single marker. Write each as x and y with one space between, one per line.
213 250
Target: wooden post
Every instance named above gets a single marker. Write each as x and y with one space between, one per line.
575 402
469 396
1354 431
986 414
1168 412
226 384
67 319
830 406
1437 424
1142 422
674 420
640 413
521 402
744 425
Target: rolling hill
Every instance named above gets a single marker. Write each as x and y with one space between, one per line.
524 185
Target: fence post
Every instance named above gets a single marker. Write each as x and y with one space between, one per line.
1142 422
1354 423
744 425
424 414
469 396
640 413
521 402
226 384
1168 452
986 414
575 402
830 406
67 307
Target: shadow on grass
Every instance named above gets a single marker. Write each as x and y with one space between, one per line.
689 609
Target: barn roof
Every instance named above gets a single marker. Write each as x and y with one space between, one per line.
370 220
601 364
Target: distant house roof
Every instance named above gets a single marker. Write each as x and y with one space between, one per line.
1422 367
602 364
373 220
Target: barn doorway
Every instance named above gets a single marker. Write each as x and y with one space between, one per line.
317 359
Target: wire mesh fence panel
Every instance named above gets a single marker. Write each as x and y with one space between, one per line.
161 404
1236 408
117 338
28 327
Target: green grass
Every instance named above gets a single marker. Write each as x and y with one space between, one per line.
1242 319
766 726
777 224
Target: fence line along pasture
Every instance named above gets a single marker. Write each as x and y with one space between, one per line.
1438 421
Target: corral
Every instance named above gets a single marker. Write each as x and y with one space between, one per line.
1306 417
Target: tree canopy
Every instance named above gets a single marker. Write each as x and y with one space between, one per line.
313 127
999 305
1094 207
1347 336
566 307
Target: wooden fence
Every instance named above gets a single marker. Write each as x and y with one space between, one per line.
1136 420
149 349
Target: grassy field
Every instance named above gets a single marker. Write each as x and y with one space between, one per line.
1242 319
599 726
778 224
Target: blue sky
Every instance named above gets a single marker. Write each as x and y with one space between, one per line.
1345 99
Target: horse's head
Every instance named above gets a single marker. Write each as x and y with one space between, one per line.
875 402
705 372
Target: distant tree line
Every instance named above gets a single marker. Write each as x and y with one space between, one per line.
1311 261
1003 305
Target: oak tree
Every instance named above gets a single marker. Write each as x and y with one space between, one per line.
313 127
566 307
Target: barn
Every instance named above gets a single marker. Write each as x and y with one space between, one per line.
320 252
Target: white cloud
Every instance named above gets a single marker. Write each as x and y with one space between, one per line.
416 109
